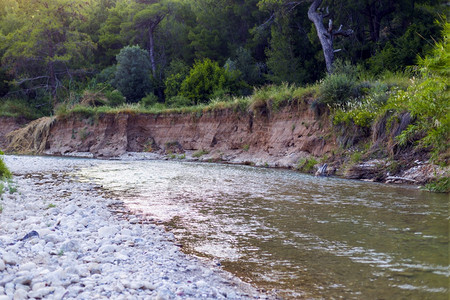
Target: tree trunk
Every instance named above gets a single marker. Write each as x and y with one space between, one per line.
151 49
325 37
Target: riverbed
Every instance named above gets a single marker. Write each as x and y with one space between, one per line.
61 239
297 235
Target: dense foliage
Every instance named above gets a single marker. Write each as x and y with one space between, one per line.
51 51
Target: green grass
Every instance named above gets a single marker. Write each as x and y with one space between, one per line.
271 96
306 165
441 185
17 108
200 153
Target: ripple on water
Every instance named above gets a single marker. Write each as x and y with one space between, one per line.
301 235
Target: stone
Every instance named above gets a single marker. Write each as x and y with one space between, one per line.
20 294
59 293
23 280
71 245
10 259
27 266
41 293
107 249
30 235
69 210
2 265
107 231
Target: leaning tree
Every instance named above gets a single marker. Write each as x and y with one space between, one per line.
318 16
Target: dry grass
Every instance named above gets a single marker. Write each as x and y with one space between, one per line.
31 139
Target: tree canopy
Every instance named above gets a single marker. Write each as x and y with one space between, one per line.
52 49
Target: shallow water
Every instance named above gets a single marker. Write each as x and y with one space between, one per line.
300 235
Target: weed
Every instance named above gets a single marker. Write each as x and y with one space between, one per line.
246 147
306 165
355 157
83 134
51 205
441 185
200 153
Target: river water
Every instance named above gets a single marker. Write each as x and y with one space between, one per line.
302 236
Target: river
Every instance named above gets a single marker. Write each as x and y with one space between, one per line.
302 236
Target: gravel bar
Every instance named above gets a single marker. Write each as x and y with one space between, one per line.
60 240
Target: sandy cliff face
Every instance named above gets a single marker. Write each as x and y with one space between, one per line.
280 138
259 137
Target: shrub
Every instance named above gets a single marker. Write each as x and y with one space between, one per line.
107 75
115 98
4 172
132 77
441 185
179 101
205 78
149 100
340 86
306 164
428 101
176 73
337 89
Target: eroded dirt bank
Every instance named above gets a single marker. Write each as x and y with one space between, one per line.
258 137
275 139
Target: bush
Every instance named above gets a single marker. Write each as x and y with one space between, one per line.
306 165
176 73
205 78
337 89
340 86
132 77
107 75
4 172
149 100
115 98
18 108
428 101
179 101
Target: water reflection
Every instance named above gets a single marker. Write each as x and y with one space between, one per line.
304 236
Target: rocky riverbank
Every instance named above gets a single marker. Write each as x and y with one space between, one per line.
59 239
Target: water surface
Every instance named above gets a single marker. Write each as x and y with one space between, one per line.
300 235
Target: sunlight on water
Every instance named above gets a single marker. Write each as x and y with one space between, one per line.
301 235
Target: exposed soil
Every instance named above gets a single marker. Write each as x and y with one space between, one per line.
260 137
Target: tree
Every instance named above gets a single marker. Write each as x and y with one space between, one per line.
47 47
326 35
316 15
148 18
132 77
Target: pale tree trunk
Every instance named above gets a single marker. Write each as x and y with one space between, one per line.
325 35
151 50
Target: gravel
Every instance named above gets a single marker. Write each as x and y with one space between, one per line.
60 240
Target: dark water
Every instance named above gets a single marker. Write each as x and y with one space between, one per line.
306 237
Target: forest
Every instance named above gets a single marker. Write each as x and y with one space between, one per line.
176 53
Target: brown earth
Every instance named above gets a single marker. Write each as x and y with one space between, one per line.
278 139
260 137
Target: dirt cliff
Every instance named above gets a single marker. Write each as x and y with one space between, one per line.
259 137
